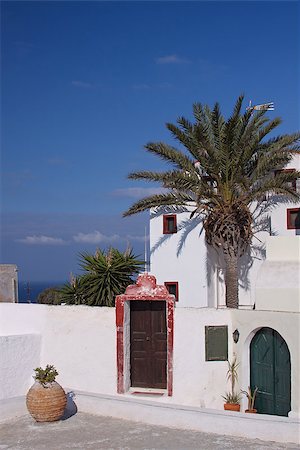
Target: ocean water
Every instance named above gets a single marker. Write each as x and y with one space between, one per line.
28 291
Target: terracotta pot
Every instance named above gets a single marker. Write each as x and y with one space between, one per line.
232 407
252 411
46 404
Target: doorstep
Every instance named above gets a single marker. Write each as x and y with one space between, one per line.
147 392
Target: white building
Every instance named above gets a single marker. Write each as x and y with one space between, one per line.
268 318
181 258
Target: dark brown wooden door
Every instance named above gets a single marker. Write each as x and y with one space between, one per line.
148 344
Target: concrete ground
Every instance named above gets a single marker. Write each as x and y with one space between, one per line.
89 432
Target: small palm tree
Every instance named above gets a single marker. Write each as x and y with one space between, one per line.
106 274
226 167
232 376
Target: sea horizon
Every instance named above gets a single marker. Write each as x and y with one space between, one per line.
28 291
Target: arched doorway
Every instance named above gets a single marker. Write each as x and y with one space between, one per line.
270 371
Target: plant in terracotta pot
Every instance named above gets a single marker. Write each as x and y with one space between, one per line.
232 398
251 399
46 400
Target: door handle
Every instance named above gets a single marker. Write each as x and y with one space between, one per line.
147 338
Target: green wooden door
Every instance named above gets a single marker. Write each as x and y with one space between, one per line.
270 371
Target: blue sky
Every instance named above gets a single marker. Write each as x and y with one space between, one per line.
85 85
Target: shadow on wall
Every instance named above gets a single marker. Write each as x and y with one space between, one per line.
185 226
71 408
215 259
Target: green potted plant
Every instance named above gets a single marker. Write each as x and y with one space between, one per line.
251 399
46 400
232 398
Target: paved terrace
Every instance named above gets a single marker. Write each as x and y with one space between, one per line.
90 432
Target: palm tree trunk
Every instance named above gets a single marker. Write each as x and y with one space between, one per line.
231 281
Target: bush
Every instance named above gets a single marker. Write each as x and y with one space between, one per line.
106 274
50 296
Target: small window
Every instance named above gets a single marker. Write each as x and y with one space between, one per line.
169 224
216 343
293 185
172 287
293 219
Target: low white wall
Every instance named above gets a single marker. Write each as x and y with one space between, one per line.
196 381
80 341
19 355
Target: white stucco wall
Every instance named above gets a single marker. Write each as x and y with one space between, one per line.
202 383
197 268
198 382
80 341
278 281
19 355
279 214
188 268
287 324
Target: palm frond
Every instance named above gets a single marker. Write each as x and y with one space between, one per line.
170 154
154 201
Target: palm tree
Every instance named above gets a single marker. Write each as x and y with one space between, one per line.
227 166
106 274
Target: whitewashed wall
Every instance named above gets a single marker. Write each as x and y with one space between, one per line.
279 218
81 342
19 354
78 340
188 268
197 268
288 326
278 281
198 382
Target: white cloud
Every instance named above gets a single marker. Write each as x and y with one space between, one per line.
95 237
138 192
41 240
82 84
171 59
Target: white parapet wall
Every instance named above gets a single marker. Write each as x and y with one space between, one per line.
80 341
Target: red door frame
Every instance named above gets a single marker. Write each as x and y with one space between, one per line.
144 289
